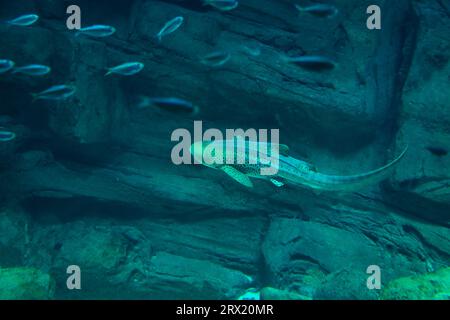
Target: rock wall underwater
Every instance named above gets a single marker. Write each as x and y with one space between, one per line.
90 181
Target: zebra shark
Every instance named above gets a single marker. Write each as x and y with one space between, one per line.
289 169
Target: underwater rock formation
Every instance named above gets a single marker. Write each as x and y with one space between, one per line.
424 119
90 182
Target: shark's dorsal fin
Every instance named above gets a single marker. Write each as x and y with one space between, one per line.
282 148
238 176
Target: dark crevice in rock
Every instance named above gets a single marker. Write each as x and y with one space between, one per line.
432 249
70 208
423 209
408 38
445 6
392 61
304 258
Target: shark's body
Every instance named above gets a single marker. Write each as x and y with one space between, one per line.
288 169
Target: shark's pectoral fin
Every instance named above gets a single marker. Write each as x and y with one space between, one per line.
238 176
277 183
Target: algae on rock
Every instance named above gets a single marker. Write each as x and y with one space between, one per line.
25 284
432 286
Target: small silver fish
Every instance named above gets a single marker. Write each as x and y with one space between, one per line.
96 31
222 5
321 10
169 27
126 69
168 103
313 63
24 20
58 92
6 65
35 70
216 59
6 135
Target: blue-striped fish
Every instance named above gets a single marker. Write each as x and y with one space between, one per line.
23 21
6 65
216 59
35 70
171 104
222 5
96 31
312 63
6 135
169 27
58 92
321 10
126 69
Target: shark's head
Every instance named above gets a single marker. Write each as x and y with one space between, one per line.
211 153
204 152
217 153
196 151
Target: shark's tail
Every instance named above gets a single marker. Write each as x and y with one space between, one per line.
326 182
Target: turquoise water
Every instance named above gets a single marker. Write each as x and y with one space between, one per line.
111 187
